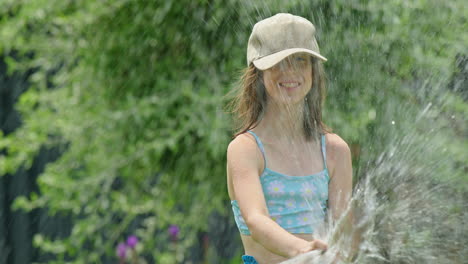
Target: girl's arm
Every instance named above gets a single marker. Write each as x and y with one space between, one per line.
340 186
244 165
341 179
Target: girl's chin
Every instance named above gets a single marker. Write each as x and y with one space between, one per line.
289 100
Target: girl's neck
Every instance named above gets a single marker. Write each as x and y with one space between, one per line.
283 122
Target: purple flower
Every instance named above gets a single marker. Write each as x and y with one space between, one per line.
132 241
121 250
174 232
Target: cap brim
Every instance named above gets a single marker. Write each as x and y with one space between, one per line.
272 59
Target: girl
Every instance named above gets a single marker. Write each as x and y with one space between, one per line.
285 170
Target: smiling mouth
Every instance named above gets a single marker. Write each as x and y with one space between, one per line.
289 85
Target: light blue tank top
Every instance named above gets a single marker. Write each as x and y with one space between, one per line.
296 203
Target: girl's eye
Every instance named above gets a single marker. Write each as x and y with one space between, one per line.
301 59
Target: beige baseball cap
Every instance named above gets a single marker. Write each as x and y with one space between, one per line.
279 36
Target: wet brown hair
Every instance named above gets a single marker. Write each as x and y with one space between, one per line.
250 100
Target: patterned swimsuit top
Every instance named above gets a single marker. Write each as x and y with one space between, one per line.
297 203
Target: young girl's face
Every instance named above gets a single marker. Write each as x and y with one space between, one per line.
289 81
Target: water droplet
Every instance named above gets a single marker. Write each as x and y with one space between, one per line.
393 122
372 114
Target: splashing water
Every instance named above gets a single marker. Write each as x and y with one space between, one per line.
401 212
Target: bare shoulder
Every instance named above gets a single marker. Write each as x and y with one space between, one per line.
336 144
243 144
243 152
338 152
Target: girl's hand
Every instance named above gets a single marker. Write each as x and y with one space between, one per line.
315 244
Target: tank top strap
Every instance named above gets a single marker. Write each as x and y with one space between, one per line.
260 145
324 152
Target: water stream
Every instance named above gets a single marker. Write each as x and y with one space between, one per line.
403 212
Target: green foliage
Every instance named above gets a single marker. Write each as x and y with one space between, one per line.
132 94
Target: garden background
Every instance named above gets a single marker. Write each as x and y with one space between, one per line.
113 119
